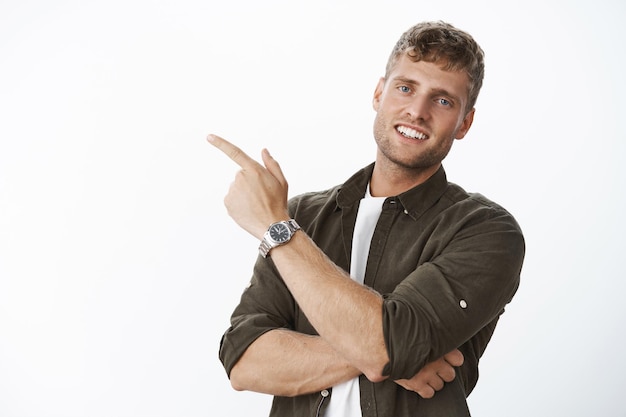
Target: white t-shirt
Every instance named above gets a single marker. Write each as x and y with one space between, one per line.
345 400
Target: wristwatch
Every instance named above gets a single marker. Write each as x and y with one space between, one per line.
278 234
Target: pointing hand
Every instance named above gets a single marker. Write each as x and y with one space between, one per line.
258 195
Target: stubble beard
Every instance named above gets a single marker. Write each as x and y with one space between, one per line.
394 157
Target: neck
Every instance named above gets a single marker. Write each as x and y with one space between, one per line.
388 182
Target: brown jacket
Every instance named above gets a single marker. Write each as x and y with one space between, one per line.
446 261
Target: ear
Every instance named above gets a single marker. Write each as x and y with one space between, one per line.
465 125
378 92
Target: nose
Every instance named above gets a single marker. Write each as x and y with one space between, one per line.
418 108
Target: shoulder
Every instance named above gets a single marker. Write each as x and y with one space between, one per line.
456 195
472 207
344 195
314 200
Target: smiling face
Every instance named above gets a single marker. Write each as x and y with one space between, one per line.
420 110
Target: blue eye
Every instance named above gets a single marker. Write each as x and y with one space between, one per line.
444 102
404 89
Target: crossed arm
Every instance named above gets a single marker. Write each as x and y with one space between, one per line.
288 363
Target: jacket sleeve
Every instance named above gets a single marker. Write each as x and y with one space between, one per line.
265 304
463 288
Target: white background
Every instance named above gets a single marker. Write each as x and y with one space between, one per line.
119 266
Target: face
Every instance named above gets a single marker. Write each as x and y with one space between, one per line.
420 110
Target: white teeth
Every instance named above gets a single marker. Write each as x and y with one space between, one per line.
411 133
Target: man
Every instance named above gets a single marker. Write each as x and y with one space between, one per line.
431 267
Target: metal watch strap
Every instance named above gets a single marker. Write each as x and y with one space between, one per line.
267 244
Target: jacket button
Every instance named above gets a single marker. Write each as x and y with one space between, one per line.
463 304
325 393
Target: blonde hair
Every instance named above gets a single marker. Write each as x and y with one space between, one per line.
443 44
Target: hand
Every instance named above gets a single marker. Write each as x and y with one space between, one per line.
432 377
258 195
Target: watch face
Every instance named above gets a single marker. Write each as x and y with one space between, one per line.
279 233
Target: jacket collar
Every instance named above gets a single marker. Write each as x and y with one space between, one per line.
415 202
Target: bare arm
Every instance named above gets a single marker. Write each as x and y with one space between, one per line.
325 292
257 198
286 363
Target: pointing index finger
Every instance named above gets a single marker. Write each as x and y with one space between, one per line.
232 151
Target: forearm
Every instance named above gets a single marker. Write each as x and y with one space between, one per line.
346 314
287 363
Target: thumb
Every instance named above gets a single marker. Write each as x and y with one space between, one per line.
454 358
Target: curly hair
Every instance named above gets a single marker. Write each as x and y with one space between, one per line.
443 44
